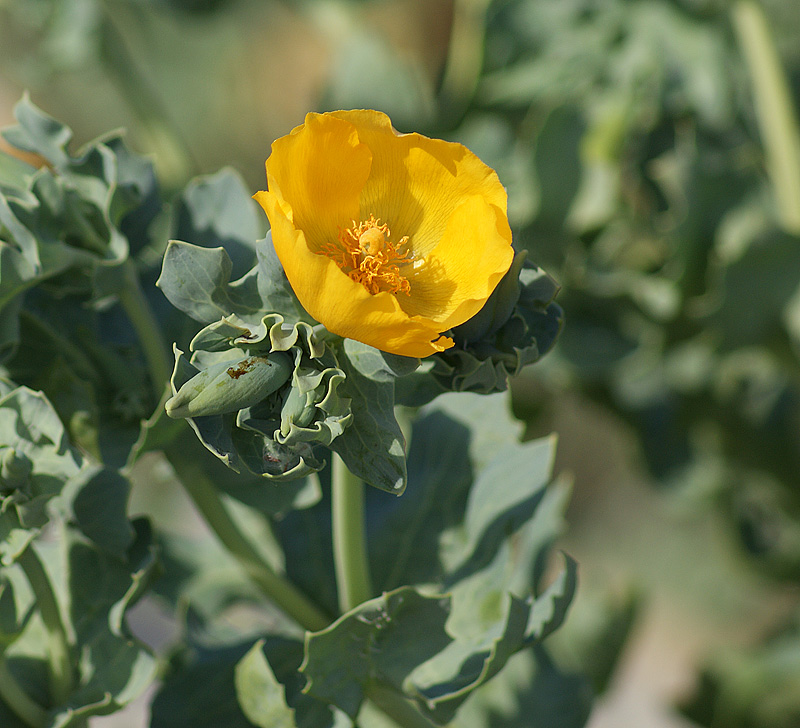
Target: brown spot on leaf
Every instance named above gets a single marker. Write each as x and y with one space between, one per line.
242 367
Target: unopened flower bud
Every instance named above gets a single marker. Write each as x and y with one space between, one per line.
230 386
284 394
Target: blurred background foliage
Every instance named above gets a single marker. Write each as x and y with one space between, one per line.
651 154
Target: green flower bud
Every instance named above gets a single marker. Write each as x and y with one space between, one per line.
298 410
314 410
273 424
230 386
518 325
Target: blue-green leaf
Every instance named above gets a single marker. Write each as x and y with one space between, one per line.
114 667
273 286
197 281
372 447
35 461
199 692
376 364
371 643
217 210
96 501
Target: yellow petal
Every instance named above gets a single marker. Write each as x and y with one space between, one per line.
319 170
415 182
343 168
342 305
463 269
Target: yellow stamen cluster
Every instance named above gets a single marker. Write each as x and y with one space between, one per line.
366 255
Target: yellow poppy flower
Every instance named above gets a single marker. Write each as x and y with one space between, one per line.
387 238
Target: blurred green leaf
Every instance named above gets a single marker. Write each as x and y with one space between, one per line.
39 133
750 688
115 668
259 693
367 72
13 615
35 461
93 591
96 500
9 718
14 174
200 692
531 691
89 368
756 289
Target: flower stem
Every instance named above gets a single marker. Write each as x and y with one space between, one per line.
144 322
58 652
775 112
208 501
349 538
18 700
353 580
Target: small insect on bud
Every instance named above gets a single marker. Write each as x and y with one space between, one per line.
231 386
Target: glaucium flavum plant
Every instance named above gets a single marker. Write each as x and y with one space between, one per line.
388 277
387 289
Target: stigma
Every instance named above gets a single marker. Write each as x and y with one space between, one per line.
364 252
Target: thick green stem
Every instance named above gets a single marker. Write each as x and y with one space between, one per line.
353 581
349 538
775 111
208 501
12 694
58 646
147 329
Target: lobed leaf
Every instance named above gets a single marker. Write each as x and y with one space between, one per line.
372 447
217 210
371 644
197 281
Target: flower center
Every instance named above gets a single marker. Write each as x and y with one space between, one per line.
366 255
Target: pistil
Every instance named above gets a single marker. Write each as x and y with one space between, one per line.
365 253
